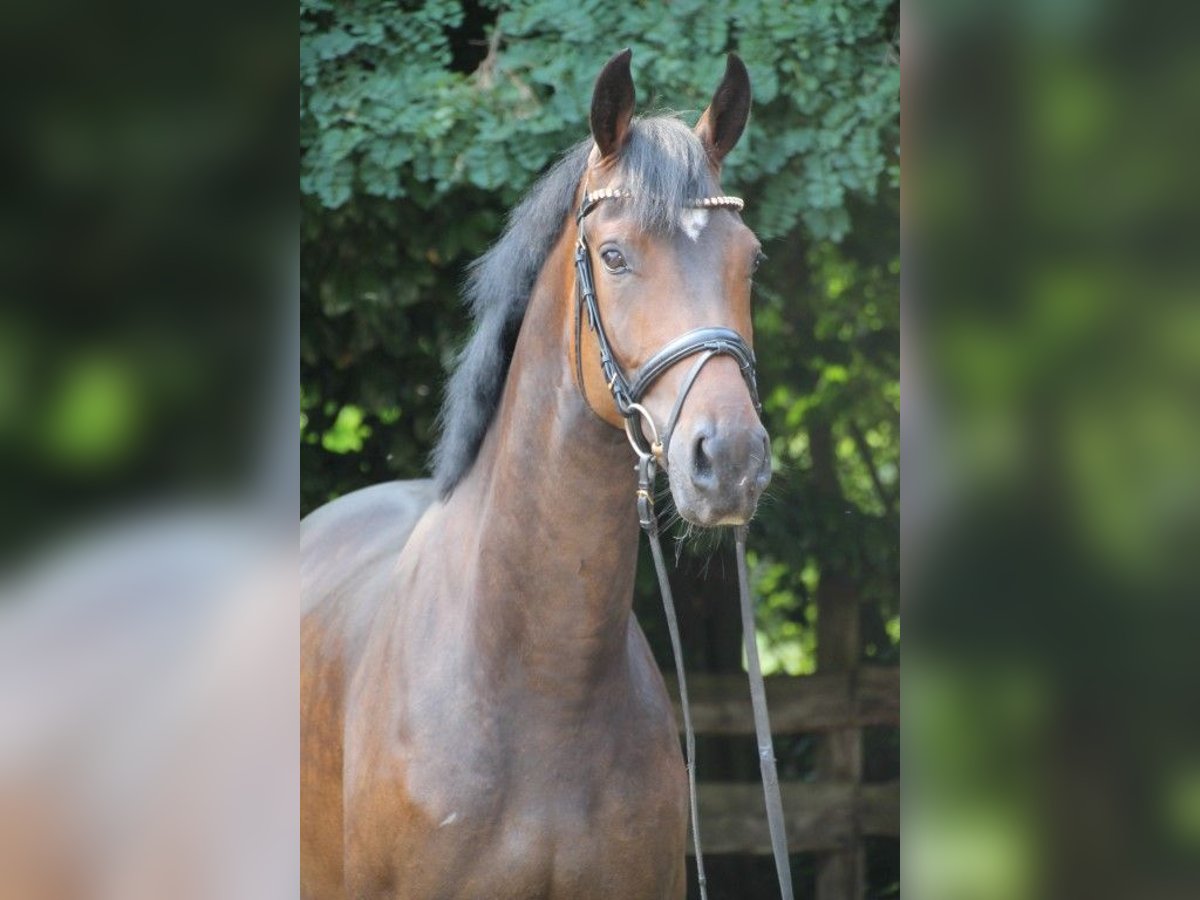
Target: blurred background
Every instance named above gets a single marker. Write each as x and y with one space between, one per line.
422 123
1051 387
148 387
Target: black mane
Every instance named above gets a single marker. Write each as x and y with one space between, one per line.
663 163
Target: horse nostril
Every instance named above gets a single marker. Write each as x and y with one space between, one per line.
702 466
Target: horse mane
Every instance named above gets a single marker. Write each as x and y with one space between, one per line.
663 163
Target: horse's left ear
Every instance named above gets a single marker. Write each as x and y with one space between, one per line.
725 119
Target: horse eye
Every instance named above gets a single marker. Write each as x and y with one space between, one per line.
613 260
759 257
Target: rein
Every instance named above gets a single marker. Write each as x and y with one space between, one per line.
627 392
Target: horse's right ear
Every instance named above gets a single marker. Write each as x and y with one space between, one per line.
612 104
722 123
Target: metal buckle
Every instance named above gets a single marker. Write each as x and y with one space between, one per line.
655 448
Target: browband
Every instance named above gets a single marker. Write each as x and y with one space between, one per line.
592 198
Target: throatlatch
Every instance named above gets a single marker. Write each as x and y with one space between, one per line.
627 394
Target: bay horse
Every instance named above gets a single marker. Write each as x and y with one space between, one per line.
481 716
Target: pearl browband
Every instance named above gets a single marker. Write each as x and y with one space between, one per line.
721 202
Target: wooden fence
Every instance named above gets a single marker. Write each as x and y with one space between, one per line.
829 816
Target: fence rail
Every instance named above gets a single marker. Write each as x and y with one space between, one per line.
823 816
820 816
799 705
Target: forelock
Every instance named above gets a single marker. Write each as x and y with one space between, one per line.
665 167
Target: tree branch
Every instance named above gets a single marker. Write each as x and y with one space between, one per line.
486 72
864 452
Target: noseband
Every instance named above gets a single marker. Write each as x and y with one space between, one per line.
628 392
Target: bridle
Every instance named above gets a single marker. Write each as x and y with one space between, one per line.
628 390
627 393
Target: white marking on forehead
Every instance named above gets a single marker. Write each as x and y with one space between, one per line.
692 221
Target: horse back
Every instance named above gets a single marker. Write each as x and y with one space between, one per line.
347 547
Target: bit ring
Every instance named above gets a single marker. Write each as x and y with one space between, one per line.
655 448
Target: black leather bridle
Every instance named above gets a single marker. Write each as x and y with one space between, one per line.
628 392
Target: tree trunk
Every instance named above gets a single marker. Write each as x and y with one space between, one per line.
841 874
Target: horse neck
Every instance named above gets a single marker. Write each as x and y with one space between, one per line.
552 498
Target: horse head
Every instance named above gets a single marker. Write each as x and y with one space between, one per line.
668 266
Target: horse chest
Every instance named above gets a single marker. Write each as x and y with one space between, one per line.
505 803
545 831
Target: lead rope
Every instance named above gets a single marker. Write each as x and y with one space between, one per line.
762 724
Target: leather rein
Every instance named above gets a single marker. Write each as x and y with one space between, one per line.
627 392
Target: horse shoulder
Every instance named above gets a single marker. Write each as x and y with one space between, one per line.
347 547
348 550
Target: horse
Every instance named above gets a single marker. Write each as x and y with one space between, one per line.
481 715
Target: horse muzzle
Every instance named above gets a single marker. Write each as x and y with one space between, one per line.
717 474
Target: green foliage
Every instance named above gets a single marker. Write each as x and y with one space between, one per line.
385 113
423 122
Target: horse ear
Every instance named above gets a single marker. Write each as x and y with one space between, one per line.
612 104
724 120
